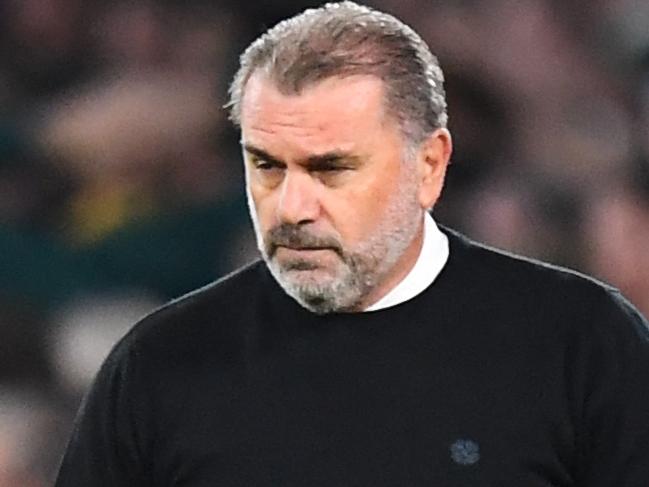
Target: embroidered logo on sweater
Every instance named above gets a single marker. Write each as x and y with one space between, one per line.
465 452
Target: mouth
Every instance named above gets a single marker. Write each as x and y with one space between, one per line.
303 250
312 255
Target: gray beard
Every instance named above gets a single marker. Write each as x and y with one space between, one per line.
346 292
360 270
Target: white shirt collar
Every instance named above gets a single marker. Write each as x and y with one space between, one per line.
432 259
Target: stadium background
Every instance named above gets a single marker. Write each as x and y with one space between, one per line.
121 180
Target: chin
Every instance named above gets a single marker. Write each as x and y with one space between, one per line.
309 282
322 293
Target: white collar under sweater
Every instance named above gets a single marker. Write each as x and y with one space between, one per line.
431 261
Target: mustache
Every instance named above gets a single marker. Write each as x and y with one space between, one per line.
296 237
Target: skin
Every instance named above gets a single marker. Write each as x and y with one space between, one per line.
336 208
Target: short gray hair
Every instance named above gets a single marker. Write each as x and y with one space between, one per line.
346 39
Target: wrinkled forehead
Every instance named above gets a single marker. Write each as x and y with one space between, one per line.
333 111
343 97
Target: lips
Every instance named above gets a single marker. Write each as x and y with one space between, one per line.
303 248
295 238
310 254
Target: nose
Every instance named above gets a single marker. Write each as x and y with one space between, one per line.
298 199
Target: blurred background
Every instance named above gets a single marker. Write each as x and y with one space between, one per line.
121 181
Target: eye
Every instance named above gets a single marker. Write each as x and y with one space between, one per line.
330 169
268 173
331 174
264 165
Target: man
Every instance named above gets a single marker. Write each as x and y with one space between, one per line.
369 347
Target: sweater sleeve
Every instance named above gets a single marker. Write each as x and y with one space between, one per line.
614 434
105 448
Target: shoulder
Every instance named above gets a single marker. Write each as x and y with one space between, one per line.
225 295
546 293
209 318
502 269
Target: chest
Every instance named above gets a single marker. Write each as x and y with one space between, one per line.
344 412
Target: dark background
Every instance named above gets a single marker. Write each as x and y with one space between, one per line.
121 180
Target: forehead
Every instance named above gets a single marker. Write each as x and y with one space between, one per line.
335 111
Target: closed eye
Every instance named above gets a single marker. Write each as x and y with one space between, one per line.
328 168
331 174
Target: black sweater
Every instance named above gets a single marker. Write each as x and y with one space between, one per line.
504 372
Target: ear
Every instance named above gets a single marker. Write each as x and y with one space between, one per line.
432 160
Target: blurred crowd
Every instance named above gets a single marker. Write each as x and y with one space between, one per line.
121 181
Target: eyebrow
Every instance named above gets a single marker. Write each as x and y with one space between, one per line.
313 161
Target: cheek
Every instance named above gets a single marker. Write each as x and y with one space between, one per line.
358 214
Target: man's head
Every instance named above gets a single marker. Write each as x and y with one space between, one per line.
344 39
342 115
